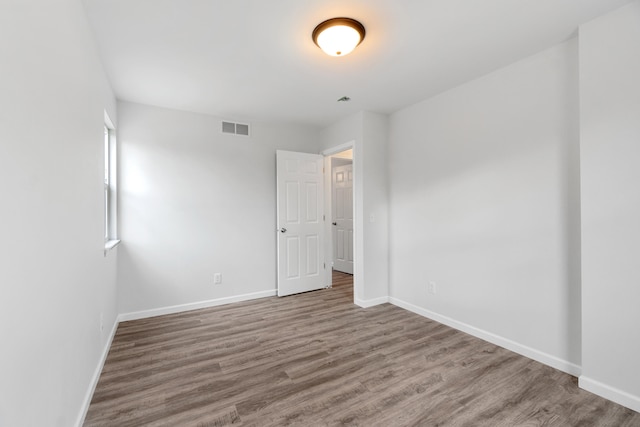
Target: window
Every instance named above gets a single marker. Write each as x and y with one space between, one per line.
110 193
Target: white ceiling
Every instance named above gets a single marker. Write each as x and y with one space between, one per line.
254 60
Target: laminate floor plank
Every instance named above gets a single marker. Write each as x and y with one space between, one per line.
316 359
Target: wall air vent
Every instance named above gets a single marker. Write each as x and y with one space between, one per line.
235 128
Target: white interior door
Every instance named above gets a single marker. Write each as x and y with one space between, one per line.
300 222
342 218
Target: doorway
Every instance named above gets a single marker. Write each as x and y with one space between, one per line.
340 210
289 210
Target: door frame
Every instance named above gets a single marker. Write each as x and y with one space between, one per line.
358 241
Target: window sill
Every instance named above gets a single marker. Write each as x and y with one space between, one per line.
110 245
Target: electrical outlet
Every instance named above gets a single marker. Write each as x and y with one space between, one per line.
433 289
217 278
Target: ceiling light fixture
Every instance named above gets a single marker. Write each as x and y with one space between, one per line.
338 36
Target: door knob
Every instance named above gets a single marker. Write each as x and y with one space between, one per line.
283 230
334 223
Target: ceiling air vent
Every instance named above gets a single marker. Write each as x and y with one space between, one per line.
235 128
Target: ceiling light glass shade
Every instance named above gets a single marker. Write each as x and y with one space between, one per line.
338 36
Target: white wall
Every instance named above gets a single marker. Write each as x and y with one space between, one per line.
195 202
610 152
368 132
374 163
55 281
484 196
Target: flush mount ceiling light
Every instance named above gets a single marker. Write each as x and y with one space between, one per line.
338 36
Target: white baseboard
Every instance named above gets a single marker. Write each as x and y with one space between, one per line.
96 376
539 356
371 302
621 397
193 306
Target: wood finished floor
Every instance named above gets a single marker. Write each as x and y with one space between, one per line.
316 359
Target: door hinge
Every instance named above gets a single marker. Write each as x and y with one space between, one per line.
324 265
324 218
